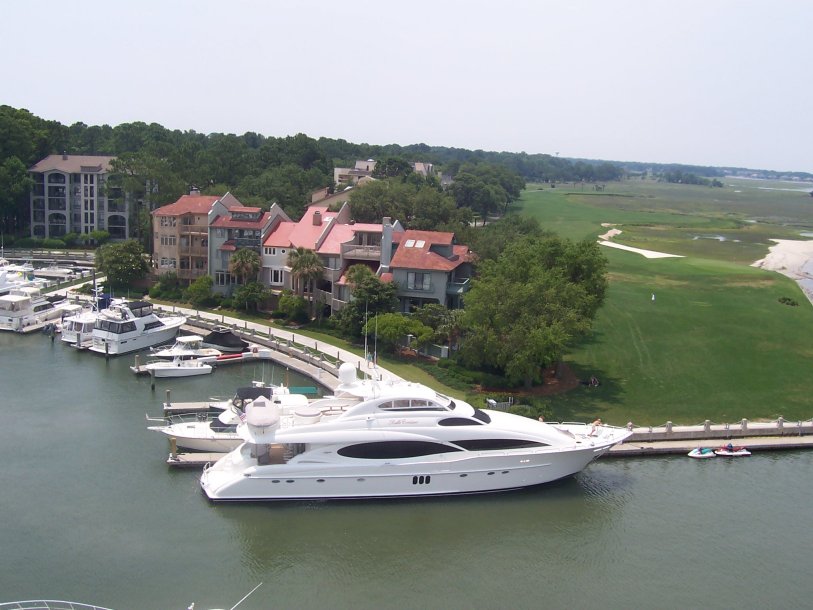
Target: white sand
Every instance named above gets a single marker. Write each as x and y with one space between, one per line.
788 257
604 241
792 258
646 253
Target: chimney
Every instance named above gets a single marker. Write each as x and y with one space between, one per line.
64 155
317 218
194 191
386 243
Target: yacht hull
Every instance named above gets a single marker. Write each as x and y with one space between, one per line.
114 345
483 473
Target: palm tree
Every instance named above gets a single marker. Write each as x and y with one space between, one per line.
245 264
306 267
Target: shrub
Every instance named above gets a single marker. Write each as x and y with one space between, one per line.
51 243
28 242
788 301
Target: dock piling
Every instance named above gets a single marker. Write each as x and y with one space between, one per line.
168 402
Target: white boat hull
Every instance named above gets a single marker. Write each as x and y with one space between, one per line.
170 369
115 345
479 472
198 437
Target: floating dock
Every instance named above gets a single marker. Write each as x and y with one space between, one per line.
192 460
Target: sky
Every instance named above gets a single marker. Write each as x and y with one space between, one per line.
700 82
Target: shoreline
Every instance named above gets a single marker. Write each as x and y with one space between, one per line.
792 258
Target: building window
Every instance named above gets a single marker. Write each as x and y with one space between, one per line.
418 281
224 278
276 276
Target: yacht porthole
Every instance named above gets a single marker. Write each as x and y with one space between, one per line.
463 475
490 473
360 480
320 480
289 481
504 472
275 481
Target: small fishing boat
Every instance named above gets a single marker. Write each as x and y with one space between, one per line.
186 347
218 434
180 367
731 451
702 453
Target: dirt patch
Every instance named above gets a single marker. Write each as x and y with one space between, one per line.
554 383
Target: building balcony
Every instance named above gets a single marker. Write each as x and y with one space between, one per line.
193 250
354 251
193 230
190 274
458 286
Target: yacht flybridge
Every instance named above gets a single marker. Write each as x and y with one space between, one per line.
391 439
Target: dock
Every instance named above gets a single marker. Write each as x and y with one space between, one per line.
682 447
192 460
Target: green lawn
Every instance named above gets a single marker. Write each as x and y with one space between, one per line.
716 343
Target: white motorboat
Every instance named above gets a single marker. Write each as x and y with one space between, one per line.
218 434
180 367
26 307
702 453
185 347
396 439
128 327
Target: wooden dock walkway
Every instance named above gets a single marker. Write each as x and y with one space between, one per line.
753 443
627 449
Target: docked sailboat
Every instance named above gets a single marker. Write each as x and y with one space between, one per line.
396 439
131 326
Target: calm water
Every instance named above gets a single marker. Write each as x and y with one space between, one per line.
90 512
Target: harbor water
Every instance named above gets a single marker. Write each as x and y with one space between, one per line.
90 512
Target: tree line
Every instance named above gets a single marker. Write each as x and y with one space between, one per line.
158 164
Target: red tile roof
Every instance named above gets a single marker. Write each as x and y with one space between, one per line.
228 246
414 252
303 233
188 204
341 234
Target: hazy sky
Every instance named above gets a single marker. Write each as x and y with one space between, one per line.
708 82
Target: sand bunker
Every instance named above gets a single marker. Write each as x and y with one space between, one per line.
646 253
603 241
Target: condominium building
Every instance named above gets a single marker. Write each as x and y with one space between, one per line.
71 194
181 234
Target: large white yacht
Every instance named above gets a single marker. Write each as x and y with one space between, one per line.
128 327
392 439
26 307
